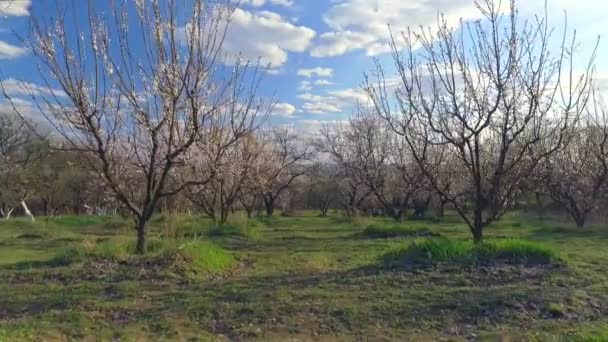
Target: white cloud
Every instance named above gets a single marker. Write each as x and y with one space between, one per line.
260 3
321 108
15 7
311 128
323 83
8 51
283 109
338 101
359 25
318 71
26 109
363 24
305 87
14 87
265 35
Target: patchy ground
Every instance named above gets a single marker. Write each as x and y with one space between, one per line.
300 279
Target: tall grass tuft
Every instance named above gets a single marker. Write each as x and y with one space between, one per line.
459 252
237 225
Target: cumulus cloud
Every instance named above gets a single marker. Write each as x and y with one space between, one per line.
363 24
337 101
260 3
323 83
9 51
265 35
305 87
14 87
318 71
283 109
359 25
15 7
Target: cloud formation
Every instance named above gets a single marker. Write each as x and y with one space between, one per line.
283 109
15 7
265 35
9 51
260 3
318 71
363 24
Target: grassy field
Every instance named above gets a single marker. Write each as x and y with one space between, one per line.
301 278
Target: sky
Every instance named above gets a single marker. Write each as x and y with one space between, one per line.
318 50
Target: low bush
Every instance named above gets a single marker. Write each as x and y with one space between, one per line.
435 251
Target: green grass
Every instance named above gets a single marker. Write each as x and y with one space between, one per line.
250 231
207 258
302 278
433 251
193 258
384 231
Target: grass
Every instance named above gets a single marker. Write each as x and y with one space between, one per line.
301 278
385 231
464 252
190 258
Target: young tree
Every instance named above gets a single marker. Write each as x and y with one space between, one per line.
139 88
576 177
19 146
493 94
323 188
233 170
333 142
286 159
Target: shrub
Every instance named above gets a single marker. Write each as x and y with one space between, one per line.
377 231
459 252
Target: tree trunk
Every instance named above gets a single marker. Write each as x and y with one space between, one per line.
580 221
268 203
27 211
539 205
477 229
441 208
140 226
7 214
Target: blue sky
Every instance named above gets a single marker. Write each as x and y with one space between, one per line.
319 49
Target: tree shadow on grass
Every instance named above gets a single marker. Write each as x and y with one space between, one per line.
557 232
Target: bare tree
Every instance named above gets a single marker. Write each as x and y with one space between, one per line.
19 146
138 93
333 141
233 170
286 160
493 94
372 154
576 177
323 189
